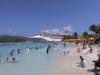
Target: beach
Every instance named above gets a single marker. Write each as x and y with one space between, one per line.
70 67
49 37
38 62
71 64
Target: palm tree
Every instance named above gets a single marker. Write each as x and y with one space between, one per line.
75 35
85 35
96 29
92 28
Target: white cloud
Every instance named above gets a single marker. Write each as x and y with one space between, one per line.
52 31
56 30
66 29
45 30
11 31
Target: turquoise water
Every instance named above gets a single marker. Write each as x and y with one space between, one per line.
34 62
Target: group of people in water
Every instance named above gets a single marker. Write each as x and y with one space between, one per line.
12 54
11 57
50 47
15 52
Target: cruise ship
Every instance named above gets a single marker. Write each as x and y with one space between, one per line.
46 37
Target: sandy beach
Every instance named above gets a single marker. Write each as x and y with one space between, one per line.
70 66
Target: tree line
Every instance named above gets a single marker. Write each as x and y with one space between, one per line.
94 28
10 38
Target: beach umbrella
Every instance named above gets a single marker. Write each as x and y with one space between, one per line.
91 38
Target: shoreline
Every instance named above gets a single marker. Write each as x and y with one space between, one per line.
63 64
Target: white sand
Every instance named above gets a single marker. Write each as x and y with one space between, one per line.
71 64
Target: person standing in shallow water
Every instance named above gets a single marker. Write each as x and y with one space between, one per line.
18 50
0 61
64 53
27 50
12 53
48 49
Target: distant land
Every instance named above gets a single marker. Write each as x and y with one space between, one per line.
13 39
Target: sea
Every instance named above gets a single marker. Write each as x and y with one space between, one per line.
33 58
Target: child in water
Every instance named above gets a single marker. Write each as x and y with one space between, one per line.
13 59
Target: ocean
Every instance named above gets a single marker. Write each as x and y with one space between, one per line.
32 59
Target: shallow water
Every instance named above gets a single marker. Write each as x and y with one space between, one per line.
35 62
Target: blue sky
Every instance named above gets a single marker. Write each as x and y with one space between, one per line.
27 17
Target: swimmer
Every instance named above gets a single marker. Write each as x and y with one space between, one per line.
64 53
13 59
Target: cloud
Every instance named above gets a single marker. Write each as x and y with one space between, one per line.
52 31
45 30
68 28
56 30
64 30
11 31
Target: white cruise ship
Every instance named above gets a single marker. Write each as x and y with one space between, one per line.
43 37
